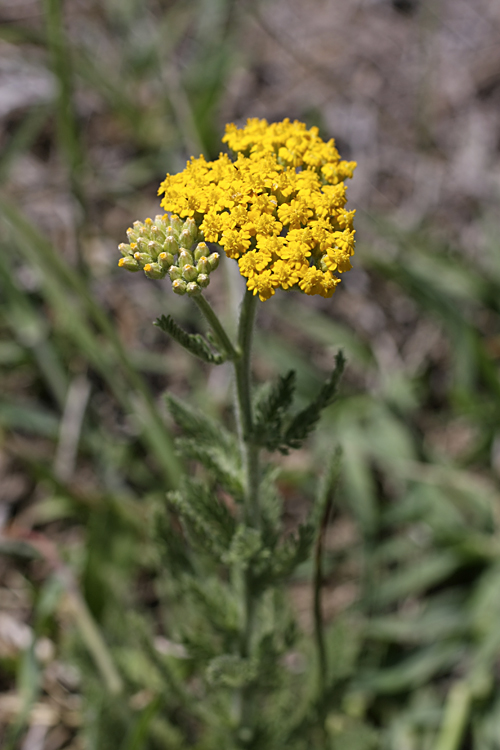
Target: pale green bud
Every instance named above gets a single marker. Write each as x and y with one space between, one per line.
125 249
176 224
154 248
203 280
185 258
193 289
201 251
175 273
132 235
189 273
165 260
179 286
157 233
213 260
185 239
190 226
143 258
142 244
129 264
170 245
154 271
203 265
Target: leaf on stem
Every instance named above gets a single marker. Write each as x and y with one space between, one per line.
221 465
205 518
194 343
199 426
231 671
271 410
304 422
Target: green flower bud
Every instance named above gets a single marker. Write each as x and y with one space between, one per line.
201 251
185 258
161 221
193 289
129 264
203 265
154 248
175 273
125 249
213 261
179 286
157 234
142 244
165 260
132 235
143 259
137 225
171 245
154 271
176 224
190 226
189 273
185 239
203 280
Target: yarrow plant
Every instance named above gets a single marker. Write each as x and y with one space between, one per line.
277 209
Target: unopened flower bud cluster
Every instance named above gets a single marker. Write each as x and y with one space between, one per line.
169 247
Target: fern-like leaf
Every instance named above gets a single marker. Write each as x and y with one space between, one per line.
304 422
199 426
221 465
271 410
204 517
194 343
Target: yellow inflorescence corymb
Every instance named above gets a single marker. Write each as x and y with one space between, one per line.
278 208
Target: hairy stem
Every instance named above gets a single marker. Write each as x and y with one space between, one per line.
326 494
249 451
217 328
250 459
319 636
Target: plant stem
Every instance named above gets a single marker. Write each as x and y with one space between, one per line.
241 359
318 615
249 451
319 636
250 459
217 327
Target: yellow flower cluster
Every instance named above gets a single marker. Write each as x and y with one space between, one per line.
278 208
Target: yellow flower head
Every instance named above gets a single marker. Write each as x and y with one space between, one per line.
277 209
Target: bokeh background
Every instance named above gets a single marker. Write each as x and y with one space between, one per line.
98 99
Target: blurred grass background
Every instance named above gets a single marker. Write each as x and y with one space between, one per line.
98 99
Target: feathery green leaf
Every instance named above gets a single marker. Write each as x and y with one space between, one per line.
271 410
194 343
199 426
304 422
221 465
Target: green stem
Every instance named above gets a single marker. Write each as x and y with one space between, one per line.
250 459
249 451
217 327
319 636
